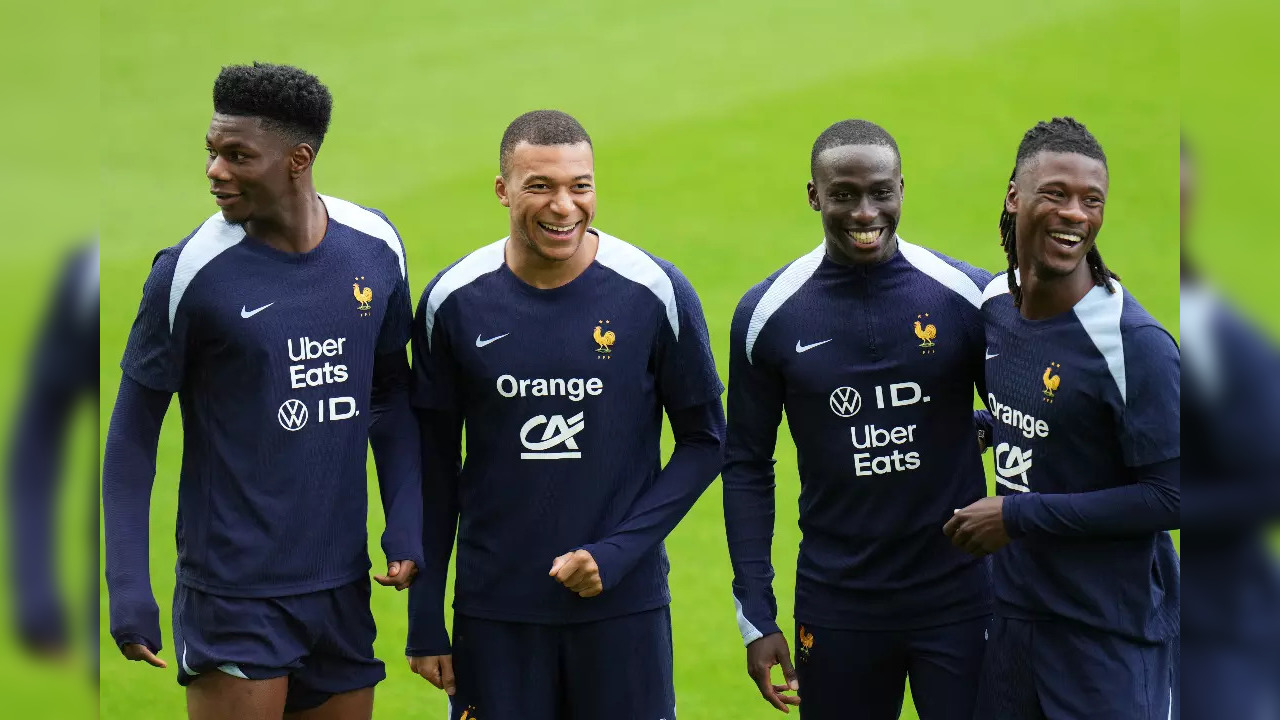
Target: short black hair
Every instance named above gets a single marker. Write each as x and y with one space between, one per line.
1062 135
540 127
287 99
851 132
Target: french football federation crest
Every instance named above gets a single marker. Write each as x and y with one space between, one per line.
604 340
1051 381
363 296
926 331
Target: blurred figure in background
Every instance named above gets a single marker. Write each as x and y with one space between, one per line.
61 375
1231 466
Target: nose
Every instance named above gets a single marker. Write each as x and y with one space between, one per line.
865 213
215 168
562 202
1073 212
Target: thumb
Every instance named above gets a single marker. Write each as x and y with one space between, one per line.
559 563
393 568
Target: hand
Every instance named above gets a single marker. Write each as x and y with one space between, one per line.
400 573
578 572
436 669
762 655
135 651
979 528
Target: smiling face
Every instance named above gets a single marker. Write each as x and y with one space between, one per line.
550 190
858 189
1058 199
250 167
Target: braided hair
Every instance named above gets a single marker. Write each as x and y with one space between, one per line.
1061 134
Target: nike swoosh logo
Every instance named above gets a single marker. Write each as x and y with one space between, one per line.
991 355
804 348
482 343
250 313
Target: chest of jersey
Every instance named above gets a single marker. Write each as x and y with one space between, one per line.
1054 408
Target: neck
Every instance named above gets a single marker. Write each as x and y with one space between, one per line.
298 224
1045 295
545 274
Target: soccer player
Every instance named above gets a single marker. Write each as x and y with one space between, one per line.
1230 612
281 322
872 346
1083 389
558 347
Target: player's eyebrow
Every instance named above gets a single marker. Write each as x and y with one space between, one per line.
232 143
545 179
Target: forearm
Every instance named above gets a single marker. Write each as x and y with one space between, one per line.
393 436
749 511
699 433
1150 504
441 442
128 472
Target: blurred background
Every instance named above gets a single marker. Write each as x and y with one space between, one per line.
702 114
1231 366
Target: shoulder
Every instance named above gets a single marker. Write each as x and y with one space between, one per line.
660 278
1124 333
764 300
996 292
369 222
461 273
965 280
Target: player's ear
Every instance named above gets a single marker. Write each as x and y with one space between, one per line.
300 159
902 187
813 196
1011 198
500 189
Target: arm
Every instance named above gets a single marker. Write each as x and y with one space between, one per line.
393 435
1148 505
699 436
756 395
441 433
128 473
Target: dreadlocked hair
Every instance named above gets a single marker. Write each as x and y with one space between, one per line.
1061 134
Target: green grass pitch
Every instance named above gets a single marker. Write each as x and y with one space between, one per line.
702 115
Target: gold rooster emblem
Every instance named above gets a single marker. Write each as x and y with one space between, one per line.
1051 382
806 643
604 338
926 332
466 714
364 297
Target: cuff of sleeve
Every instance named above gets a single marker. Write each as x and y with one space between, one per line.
607 561
129 638
753 632
1011 511
411 556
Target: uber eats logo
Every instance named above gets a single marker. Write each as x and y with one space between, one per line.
306 371
883 450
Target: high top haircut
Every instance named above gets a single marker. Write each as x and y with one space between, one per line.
284 98
1065 135
851 132
540 127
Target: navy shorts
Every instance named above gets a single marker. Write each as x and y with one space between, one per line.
1052 670
863 673
617 668
323 641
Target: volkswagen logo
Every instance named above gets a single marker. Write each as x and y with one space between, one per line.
845 401
292 415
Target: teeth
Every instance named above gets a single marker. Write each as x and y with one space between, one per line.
557 228
865 237
1066 237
